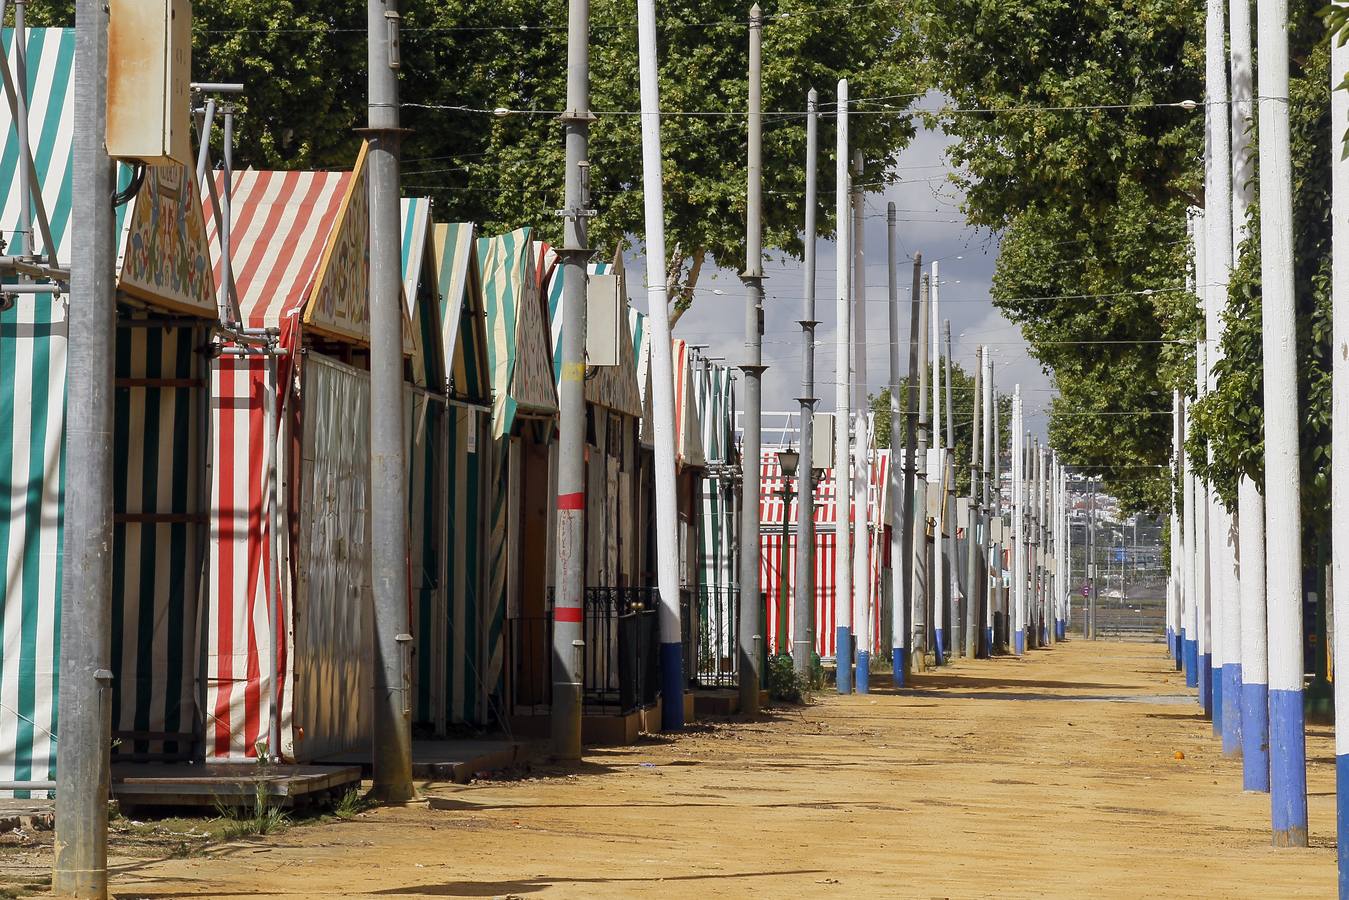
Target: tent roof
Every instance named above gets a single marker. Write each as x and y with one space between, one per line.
463 315
518 347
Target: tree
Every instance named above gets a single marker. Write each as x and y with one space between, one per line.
1230 421
1090 203
962 395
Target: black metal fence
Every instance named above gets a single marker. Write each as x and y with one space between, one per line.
621 663
718 619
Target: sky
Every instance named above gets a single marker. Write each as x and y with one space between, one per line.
930 222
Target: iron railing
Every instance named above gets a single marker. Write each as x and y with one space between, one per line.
620 667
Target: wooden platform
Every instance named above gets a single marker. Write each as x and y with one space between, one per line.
231 784
450 760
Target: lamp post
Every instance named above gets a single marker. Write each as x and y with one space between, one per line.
788 460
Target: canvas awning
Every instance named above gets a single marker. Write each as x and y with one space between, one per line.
518 346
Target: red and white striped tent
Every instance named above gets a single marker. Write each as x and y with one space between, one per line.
771 509
300 263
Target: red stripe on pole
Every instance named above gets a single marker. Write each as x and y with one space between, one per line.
572 501
567 614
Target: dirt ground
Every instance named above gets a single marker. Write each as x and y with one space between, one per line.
1051 776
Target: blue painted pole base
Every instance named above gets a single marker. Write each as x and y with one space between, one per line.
1215 693
988 643
1044 635
1342 821
1180 650
1206 683
898 665
863 672
1191 664
843 658
1019 642
1232 709
672 687
1287 768
1170 642
941 647
1255 737
1061 629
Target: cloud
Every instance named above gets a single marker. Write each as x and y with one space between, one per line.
928 221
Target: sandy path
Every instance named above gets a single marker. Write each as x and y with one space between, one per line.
1052 776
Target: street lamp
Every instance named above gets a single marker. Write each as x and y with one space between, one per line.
789 460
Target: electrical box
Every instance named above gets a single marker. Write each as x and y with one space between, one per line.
995 531
149 81
822 441
604 315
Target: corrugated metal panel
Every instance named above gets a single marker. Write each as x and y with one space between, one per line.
159 457
331 677
518 345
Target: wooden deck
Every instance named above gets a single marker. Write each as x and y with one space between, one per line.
231 784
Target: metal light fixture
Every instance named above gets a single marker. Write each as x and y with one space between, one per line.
789 459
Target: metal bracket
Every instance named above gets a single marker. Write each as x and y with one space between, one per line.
574 213
571 115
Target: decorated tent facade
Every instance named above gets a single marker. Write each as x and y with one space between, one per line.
518 478
166 306
286 638
447 421
772 508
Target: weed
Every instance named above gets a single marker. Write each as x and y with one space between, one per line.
353 803
784 685
264 818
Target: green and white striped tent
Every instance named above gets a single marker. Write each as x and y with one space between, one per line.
519 485
158 447
447 422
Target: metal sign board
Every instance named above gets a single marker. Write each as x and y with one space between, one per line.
822 440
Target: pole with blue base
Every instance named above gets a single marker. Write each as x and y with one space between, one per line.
662 380
861 474
1283 506
901 479
1018 530
842 403
1339 455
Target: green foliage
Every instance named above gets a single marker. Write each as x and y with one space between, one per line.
1230 420
783 684
303 63
1088 202
352 804
962 395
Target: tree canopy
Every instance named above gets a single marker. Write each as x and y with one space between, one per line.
1072 148
303 64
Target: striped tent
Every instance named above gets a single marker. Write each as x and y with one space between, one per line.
519 348
714 398
524 407
826 522
300 262
446 421
158 445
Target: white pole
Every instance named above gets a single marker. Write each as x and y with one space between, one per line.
1339 444
1283 507
842 403
1218 266
1174 628
1202 634
989 486
1190 623
861 474
940 587
1250 504
662 378
1018 528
